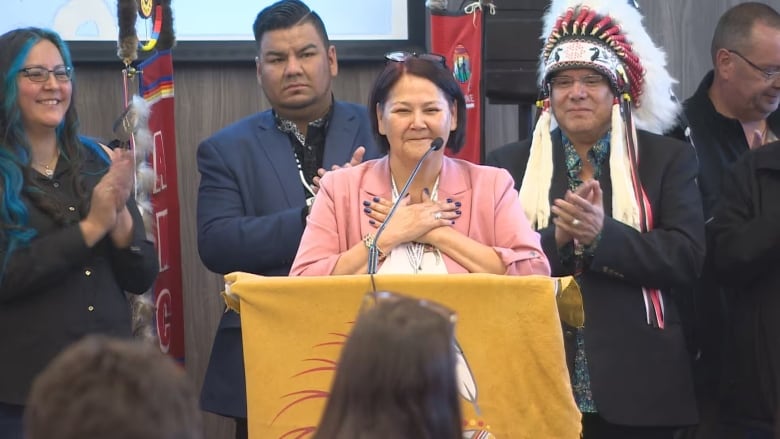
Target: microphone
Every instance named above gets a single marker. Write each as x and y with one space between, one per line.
373 250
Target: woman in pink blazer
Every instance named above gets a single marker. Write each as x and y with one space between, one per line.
457 218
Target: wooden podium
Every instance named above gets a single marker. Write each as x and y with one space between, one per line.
508 328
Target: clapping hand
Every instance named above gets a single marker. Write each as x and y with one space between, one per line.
357 158
580 214
120 176
108 212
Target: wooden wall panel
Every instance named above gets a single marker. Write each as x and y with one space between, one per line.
209 97
684 28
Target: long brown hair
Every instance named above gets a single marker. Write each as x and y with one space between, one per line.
396 377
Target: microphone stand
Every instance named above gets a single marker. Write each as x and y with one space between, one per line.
373 250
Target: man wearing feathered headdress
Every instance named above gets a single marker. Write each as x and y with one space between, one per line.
617 207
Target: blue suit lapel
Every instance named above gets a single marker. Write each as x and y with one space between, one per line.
341 138
276 145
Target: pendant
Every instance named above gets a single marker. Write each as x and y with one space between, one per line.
415 256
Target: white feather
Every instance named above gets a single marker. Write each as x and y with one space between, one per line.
142 137
467 385
535 187
624 207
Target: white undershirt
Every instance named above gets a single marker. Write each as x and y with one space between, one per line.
403 258
770 137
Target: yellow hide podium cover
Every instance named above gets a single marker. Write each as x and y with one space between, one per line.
508 328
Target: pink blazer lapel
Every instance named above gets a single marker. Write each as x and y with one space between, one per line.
454 185
376 183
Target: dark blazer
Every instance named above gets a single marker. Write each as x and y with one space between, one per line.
745 232
250 218
719 142
639 375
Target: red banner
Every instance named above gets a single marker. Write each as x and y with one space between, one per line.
459 38
157 89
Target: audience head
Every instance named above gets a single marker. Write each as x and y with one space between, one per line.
396 376
417 92
106 388
295 61
746 58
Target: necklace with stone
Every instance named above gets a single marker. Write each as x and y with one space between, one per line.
48 168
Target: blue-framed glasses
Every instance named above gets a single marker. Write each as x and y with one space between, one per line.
769 75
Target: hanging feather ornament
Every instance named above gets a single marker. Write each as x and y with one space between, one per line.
132 132
132 127
127 49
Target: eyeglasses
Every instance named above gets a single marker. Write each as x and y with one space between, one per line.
768 75
401 56
373 299
41 74
567 82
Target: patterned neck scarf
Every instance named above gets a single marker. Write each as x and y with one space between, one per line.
308 148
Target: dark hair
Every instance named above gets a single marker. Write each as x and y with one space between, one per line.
285 14
102 387
735 26
433 71
396 377
15 171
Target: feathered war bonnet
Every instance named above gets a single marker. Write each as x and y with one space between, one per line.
606 36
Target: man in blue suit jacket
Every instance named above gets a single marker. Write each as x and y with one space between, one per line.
259 175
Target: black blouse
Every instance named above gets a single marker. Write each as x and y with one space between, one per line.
56 289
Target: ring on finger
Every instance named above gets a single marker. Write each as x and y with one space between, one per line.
575 222
437 216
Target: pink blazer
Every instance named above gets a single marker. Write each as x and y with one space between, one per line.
491 215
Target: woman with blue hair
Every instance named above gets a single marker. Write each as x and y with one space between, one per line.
71 237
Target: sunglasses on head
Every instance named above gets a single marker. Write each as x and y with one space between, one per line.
401 56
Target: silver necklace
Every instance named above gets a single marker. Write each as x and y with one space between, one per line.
415 251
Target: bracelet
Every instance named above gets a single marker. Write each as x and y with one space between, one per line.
368 241
309 203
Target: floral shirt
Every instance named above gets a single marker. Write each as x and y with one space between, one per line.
597 156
